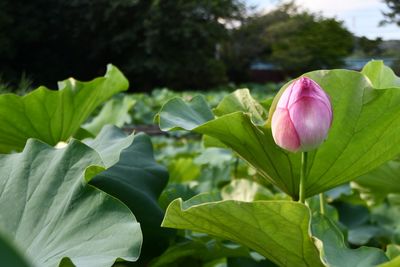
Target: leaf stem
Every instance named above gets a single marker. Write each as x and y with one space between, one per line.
322 203
303 177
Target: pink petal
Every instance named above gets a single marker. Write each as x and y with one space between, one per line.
283 131
285 97
311 119
306 87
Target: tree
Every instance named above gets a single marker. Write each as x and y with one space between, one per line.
181 40
370 47
306 42
393 15
154 42
295 41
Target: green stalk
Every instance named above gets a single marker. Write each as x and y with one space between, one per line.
322 203
303 177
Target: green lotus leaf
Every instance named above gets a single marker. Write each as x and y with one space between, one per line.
380 75
334 250
109 143
53 116
52 215
363 134
135 178
278 230
178 114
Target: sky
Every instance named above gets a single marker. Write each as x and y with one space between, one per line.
359 16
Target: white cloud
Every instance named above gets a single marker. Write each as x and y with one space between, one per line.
360 16
325 6
334 7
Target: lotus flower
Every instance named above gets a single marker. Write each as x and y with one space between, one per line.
302 117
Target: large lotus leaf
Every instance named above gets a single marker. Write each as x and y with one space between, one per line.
115 111
136 179
364 132
253 144
334 250
237 131
52 214
278 230
53 116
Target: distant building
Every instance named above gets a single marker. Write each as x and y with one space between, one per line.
262 71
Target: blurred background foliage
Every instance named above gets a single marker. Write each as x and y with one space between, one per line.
393 15
191 44
153 42
295 41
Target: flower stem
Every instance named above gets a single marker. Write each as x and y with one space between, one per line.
322 203
303 177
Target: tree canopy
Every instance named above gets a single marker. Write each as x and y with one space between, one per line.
188 44
154 42
393 15
293 40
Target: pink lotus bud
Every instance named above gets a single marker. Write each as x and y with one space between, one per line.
302 117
